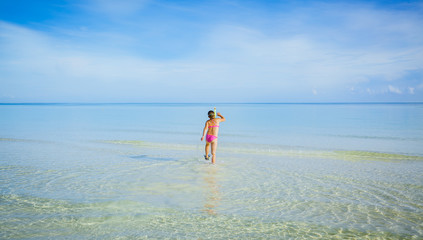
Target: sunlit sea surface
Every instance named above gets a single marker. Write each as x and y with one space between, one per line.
283 171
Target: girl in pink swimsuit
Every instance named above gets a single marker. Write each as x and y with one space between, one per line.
212 129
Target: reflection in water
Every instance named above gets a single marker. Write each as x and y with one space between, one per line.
212 198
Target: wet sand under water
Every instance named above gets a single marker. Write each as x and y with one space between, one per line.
136 189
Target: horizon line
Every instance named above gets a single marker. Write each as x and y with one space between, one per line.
105 103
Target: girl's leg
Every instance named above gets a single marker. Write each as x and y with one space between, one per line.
207 149
213 150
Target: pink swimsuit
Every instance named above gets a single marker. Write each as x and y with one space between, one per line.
210 138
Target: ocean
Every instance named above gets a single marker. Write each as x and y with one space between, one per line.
283 171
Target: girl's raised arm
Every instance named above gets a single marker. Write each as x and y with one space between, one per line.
222 118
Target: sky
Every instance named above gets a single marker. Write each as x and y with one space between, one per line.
210 51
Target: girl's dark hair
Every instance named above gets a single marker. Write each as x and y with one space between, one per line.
211 114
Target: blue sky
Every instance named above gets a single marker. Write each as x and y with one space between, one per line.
211 51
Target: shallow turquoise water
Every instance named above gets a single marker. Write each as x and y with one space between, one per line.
135 171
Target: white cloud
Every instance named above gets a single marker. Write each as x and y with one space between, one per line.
393 89
43 65
38 53
354 45
305 59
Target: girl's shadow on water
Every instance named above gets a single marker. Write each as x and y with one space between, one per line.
212 193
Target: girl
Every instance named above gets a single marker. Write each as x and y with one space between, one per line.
212 127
